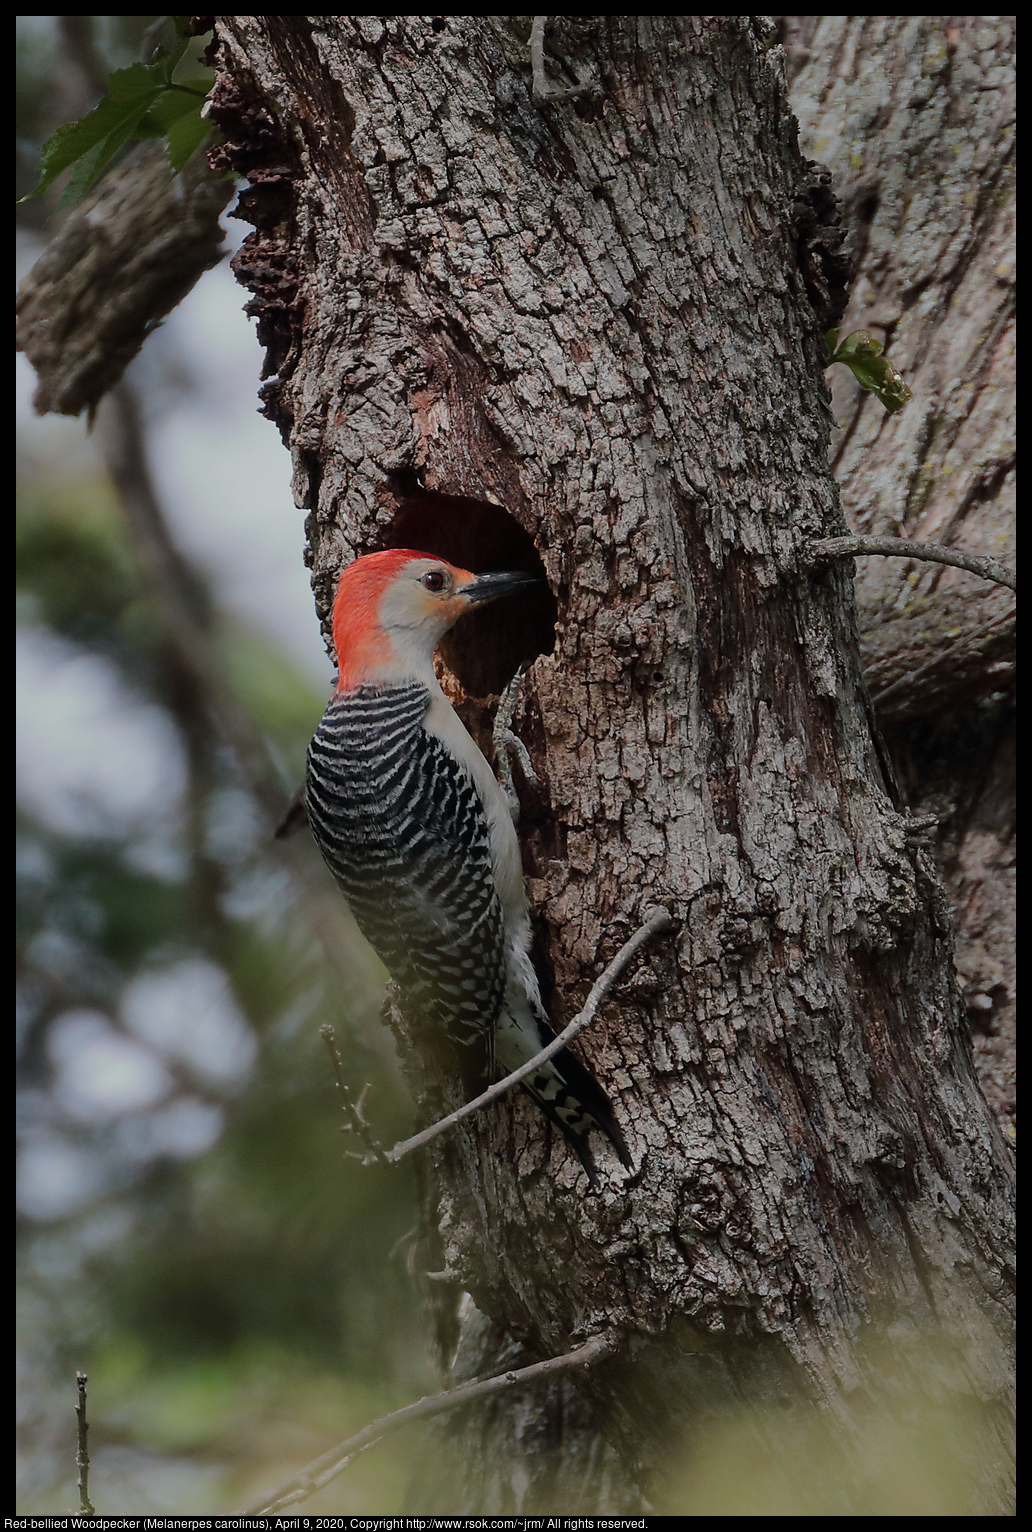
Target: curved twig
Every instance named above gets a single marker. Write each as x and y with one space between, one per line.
351 1108
904 547
333 1462
542 90
659 920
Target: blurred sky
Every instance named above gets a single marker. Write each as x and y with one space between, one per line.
91 755
221 470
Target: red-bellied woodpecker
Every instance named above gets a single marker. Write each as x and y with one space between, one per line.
413 825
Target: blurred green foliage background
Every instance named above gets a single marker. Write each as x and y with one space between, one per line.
192 1234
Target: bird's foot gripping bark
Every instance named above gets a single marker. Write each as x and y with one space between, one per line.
507 744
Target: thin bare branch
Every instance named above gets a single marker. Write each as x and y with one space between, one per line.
920 824
82 1454
352 1109
542 90
179 595
659 920
333 1462
904 547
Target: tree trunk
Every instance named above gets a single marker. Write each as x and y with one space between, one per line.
930 198
914 115
588 333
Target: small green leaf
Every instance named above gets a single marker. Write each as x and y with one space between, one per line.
184 136
170 106
135 81
865 357
167 62
142 101
85 171
148 127
99 134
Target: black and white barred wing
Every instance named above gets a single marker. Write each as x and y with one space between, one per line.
402 829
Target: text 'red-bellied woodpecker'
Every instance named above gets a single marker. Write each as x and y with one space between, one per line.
413 825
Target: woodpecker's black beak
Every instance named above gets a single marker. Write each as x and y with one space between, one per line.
488 587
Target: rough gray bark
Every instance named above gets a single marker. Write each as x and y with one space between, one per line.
590 334
915 116
120 261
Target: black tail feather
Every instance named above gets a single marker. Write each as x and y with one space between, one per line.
588 1093
478 1066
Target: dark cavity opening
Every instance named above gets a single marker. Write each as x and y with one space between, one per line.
485 649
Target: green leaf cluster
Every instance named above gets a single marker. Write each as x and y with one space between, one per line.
143 101
865 357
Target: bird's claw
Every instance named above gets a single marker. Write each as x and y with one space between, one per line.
508 744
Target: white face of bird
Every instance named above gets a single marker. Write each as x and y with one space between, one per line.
429 595
392 610
423 600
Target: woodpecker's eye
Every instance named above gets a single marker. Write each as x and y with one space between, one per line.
435 579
